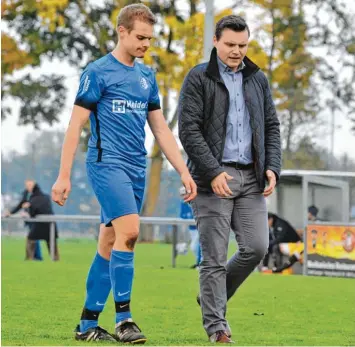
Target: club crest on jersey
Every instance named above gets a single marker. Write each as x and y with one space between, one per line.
144 83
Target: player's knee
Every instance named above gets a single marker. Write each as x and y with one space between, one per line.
105 246
131 240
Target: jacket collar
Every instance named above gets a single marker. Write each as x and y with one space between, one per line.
213 70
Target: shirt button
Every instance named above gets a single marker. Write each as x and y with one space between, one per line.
240 155
240 140
238 110
240 125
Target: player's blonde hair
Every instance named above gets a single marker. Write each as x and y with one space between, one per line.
133 12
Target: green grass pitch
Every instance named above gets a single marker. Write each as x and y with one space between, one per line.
42 301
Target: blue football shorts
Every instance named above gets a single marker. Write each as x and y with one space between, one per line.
118 189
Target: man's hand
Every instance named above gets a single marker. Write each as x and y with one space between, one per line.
190 186
7 213
272 183
26 205
61 190
220 186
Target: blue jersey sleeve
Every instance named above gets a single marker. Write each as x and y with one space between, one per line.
90 88
154 101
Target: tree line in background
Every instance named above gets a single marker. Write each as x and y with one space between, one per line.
286 37
41 164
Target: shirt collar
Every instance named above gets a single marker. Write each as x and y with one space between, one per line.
225 68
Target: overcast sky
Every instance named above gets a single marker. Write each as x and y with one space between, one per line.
13 136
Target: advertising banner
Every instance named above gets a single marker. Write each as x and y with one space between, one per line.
331 250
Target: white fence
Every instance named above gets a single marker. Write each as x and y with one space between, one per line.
174 222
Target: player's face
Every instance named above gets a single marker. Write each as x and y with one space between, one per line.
137 41
232 47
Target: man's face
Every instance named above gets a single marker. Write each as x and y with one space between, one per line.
270 221
232 47
29 184
137 41
310 216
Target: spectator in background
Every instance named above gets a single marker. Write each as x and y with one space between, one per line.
295 252
40 203
23 205
37 203
186 213
313 214
280 231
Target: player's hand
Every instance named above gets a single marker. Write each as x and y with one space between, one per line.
272 183
60 191
220 186
190 186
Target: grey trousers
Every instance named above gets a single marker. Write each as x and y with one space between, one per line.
245 214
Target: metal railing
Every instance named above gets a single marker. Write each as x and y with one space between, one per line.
174 222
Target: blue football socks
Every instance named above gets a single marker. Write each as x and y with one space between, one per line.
121 273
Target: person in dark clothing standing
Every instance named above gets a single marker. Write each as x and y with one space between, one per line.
230 131
23 205
37 203
40 203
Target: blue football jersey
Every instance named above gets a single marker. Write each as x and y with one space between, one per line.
119 98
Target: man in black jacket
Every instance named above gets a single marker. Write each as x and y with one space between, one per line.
229 129
40 203
24 205
37 203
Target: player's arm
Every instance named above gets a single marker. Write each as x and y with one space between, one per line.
62 186
90 91
168 145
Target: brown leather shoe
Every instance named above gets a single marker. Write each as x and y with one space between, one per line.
220 337
228 328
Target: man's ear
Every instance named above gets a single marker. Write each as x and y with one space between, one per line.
120 30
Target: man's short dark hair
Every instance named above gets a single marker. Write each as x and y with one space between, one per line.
313 210
271 215
232 22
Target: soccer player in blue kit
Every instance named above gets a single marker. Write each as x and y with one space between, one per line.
118 95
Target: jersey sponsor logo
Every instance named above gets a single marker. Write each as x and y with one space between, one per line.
144 83
119 106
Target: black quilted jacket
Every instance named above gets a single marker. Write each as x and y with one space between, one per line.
203 109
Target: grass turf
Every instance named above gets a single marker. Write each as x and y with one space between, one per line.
42 301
